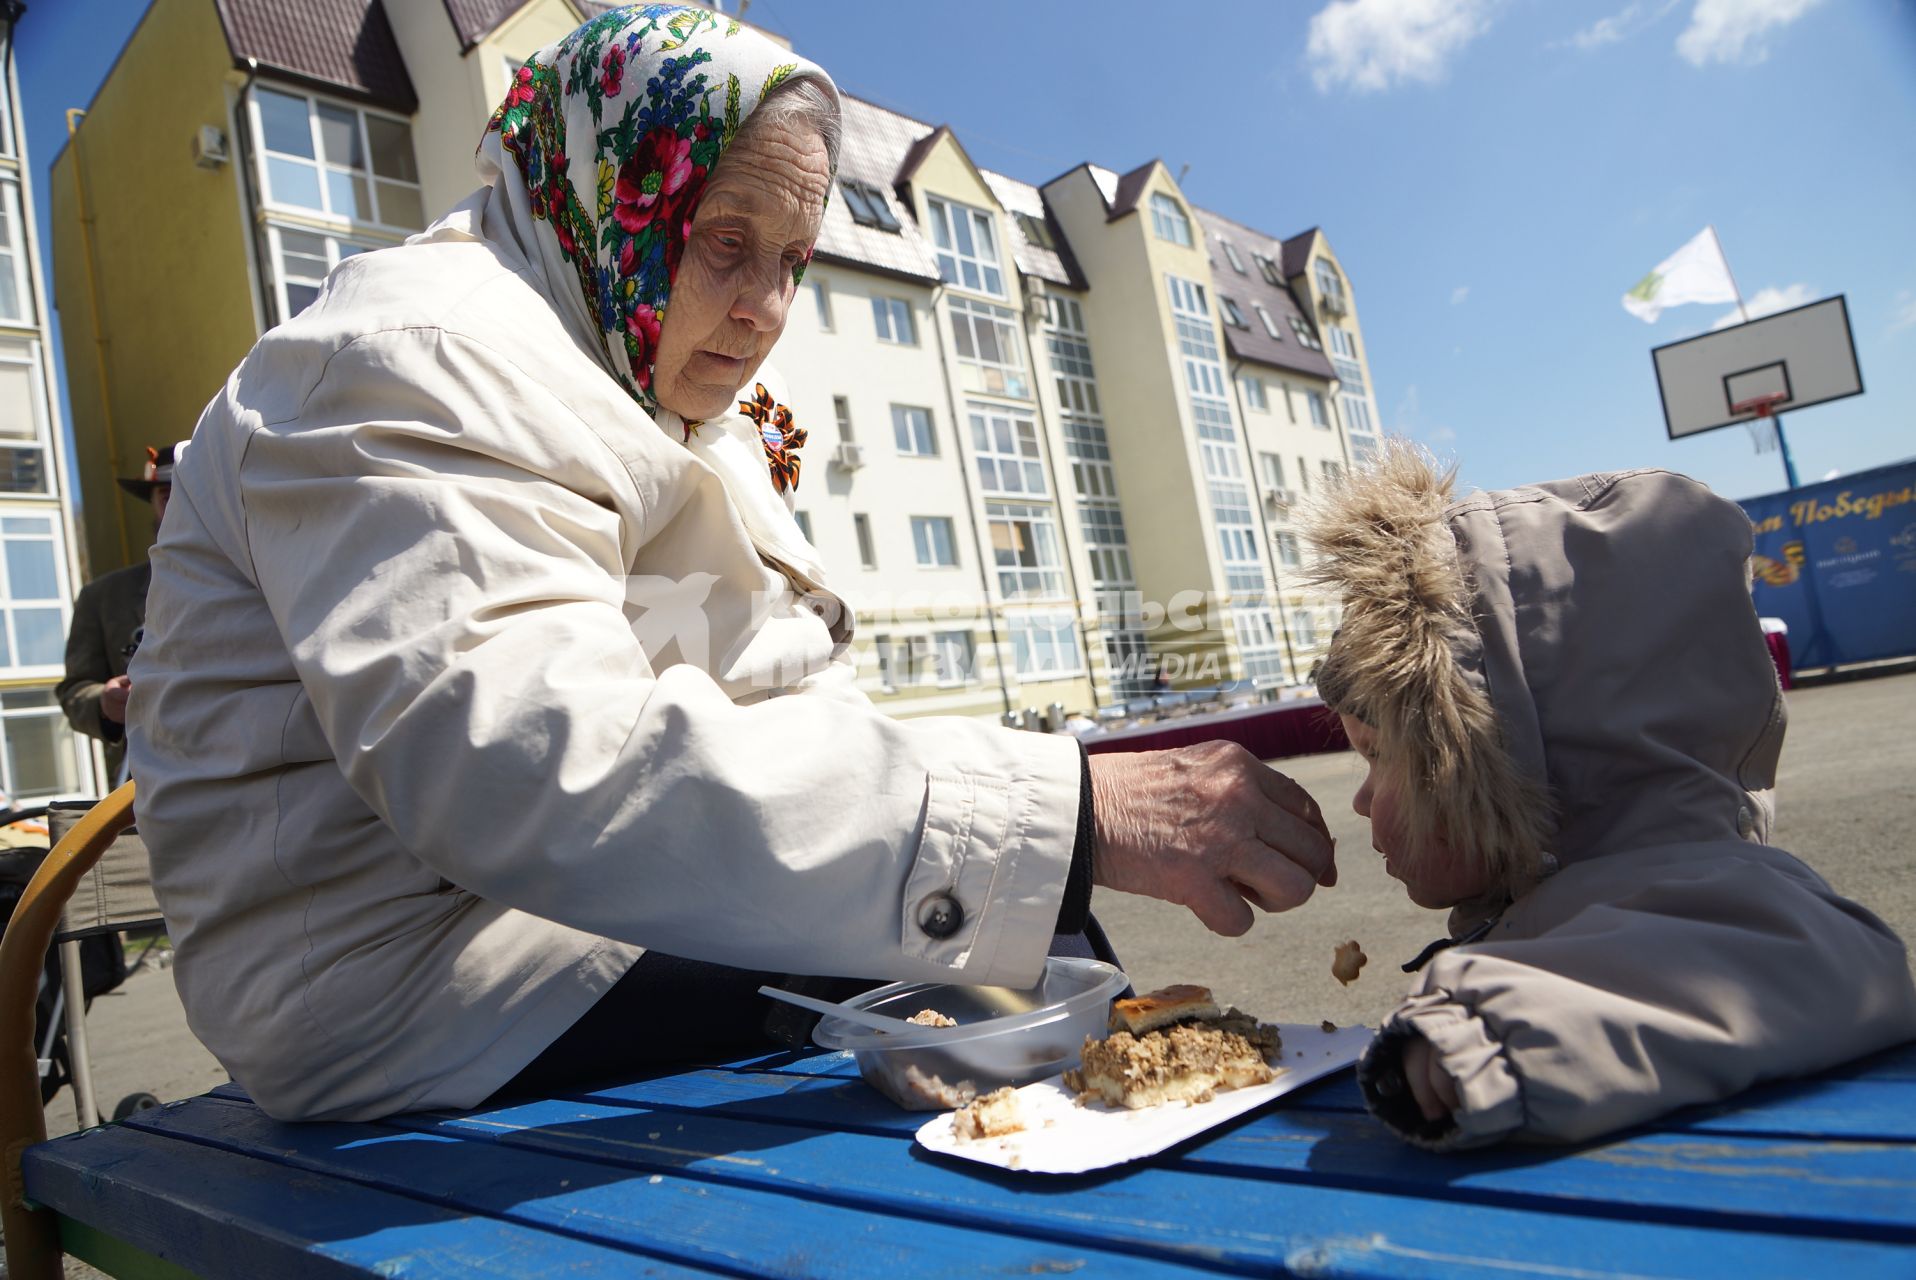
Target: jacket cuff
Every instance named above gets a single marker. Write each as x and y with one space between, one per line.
1491 1106
1076 907
984 891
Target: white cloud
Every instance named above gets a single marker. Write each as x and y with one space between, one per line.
1904 316
1458 295
1371 45
1734 30
1621 25
1768 301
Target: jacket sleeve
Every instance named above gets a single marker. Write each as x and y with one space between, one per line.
451 590
88 670
1688 989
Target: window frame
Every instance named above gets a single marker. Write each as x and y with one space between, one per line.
868 206
1011 379
1319 407
899 431
1041 579
867 545
930 525
967 670
977 224
822 303
14 248
60 603
26 354
886 310
1168 211
1026 452
1231 255
1270 324
1305 338
322 166
1054 623
1233 315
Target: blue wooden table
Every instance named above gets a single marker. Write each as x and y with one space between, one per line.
790 1166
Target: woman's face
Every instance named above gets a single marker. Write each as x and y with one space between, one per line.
755 224
1434 874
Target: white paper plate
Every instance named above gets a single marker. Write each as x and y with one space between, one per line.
1062 1137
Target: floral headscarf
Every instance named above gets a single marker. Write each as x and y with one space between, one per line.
613 132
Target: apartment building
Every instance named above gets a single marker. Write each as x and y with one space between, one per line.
40 757
1039 456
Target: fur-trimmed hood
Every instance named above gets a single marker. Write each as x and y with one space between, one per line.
1572 668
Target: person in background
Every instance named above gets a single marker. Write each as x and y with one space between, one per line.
107 619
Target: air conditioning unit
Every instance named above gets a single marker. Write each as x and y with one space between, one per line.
849 456
1037 310
209 147
1282 499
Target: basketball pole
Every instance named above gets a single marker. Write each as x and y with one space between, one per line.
1776 420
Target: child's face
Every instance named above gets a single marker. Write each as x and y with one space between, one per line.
1434 874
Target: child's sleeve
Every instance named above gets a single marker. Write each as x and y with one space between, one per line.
1684 988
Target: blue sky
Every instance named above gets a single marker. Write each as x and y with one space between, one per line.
1493 175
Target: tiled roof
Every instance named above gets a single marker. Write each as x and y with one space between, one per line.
1255 342
474 20
1130 187
342 44
876 144
1052 263
1297 252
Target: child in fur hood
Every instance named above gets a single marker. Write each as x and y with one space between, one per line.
1573 726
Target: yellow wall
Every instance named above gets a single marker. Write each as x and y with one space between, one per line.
168 259
1160 475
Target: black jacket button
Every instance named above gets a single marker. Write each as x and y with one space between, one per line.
940 915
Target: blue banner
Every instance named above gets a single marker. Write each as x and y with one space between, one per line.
1837 562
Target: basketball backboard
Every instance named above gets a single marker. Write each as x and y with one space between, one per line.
1785 361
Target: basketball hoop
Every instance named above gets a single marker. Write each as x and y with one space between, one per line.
1762 406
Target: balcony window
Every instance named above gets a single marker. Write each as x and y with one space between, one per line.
16 298
967 247
1045 646
346 163
1024 548
302 260
33 595
23 462
988 345
1169 221
1004 445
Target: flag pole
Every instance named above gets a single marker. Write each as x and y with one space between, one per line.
1776 419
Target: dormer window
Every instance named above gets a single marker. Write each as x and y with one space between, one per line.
867 205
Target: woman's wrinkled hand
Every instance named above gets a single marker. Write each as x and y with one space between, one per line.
1210 827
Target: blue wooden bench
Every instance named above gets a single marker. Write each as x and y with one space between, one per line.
791 1166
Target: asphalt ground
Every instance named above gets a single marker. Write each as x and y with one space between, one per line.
1846 805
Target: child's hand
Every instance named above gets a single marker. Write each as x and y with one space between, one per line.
1430 1084
1210 827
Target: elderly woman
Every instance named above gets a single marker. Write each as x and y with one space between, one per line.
484 653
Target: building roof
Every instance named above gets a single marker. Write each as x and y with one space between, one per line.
343 45
1250 287
1297 252
1051 262
1130 187
876 144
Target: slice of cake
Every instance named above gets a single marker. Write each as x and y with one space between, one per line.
992 1116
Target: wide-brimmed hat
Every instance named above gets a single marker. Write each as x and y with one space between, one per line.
158 471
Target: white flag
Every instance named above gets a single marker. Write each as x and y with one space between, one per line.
1694 273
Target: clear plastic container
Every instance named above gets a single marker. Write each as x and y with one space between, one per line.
1003 1036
